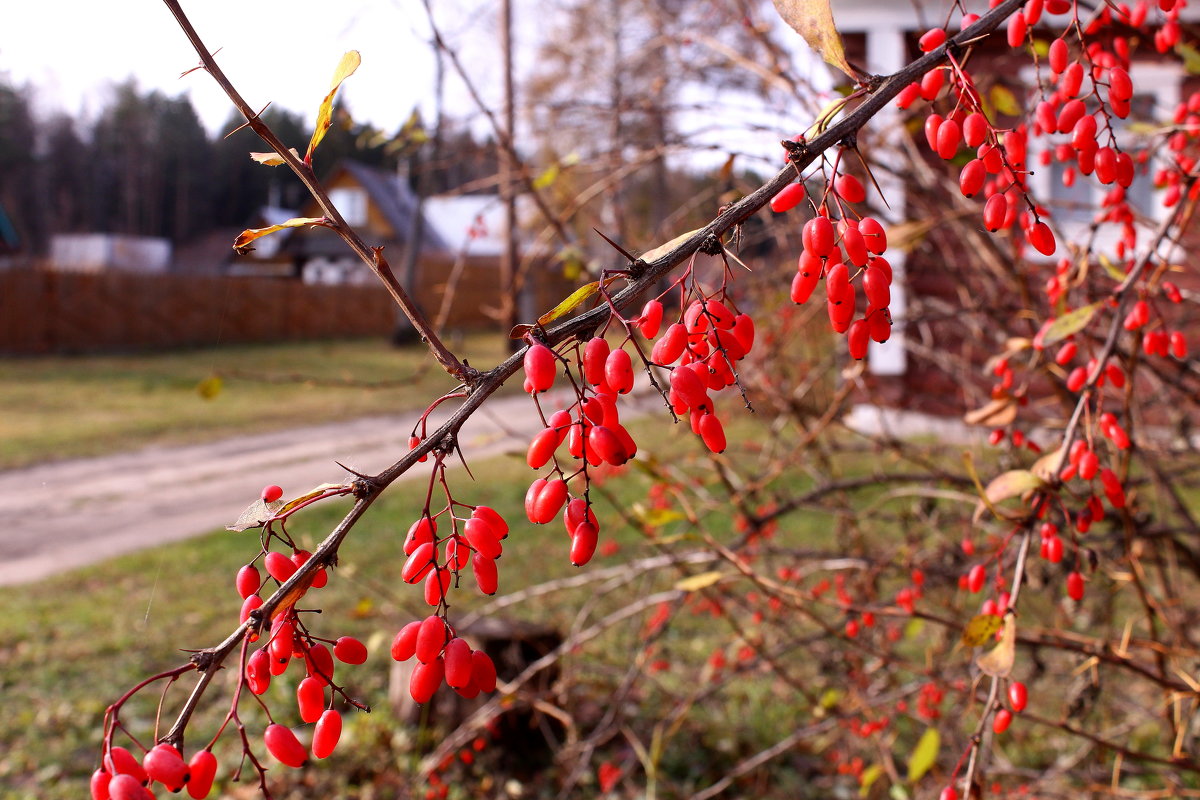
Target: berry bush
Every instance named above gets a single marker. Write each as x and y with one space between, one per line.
1019 621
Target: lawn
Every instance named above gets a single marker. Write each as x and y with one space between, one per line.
72 644
63 407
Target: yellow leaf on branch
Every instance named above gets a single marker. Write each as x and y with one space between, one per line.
345 69
813 19
242 242
998 662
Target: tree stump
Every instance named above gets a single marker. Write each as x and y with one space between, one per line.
522 736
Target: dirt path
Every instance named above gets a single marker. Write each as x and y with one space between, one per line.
57 516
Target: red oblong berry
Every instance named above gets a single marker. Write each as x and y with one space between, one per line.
1017 696
258 671
423 559
594 353
423 531
604 442
271 493
949 137
485 573
127 787
932 123
310 698
437 584
669 348
483 671
1053 549
1072 80
531 495
931 40
974 129
1106 165
1042 238
164 765
583 543
202 768
578 511
1017 28
841 312
651 318
976 578
279 566
121 762
873 234
817 236
1057 56
618 371
788 198
1178 345
320 578
98 785
541 447
425 680
876 287
712 433
1071 113
1075 586
850 189
994 212
549 501
431 638
284 745
805 282
248 581
1120 87
458 663
879 323
972 177
540 365
858 339
1002 720
326 733
404 646
855 245
689 387
319 662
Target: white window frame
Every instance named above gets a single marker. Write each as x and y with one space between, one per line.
351 203
1162 83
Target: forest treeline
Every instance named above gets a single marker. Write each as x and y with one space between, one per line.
145 165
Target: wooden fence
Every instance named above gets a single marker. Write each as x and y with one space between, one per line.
63 312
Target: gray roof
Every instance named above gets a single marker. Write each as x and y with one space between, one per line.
394 199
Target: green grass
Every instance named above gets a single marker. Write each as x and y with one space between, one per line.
72 644
62 407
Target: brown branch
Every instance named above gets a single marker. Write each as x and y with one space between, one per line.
371 256
482 385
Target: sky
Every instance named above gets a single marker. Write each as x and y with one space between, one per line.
70 51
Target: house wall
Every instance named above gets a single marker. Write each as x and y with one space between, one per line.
946 275
376 227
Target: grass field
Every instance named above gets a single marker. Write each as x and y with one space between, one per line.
62 407
72 644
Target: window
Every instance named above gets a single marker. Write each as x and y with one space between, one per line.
1074 207
351 202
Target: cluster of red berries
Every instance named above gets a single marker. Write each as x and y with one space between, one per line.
850 250
476 540
442 656
123 777
701 351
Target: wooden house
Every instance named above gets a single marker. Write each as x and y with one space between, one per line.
445 249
